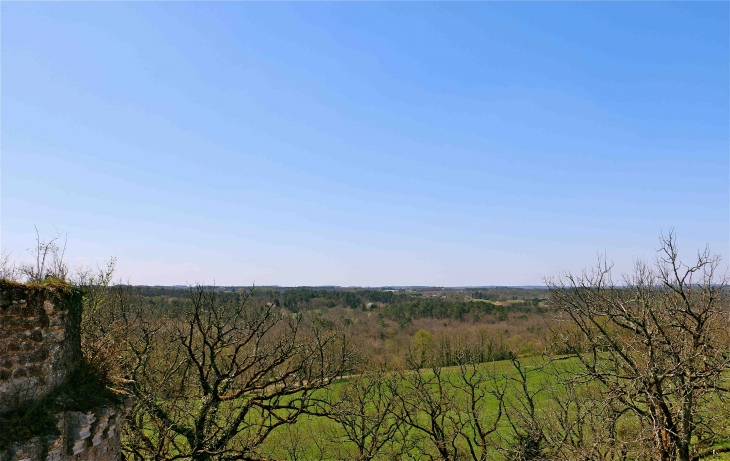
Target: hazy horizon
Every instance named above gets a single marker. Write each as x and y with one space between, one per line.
364 144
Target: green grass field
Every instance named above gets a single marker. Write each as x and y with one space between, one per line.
308 438
318 438
309 432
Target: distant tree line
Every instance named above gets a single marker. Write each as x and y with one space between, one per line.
456 310
299 297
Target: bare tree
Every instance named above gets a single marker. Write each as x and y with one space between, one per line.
366 416
216 383
553 413
457 411
658 343
426 403
526 438
481 404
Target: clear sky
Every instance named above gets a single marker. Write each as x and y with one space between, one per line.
364 143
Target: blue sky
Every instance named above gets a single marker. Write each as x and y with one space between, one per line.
364 143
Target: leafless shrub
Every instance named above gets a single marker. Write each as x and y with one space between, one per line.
8 267
47 260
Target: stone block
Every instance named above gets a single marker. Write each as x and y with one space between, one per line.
82 437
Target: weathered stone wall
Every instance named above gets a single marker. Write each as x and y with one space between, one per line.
40 341
88 436
40 346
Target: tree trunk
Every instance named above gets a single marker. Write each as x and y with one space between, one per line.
666 446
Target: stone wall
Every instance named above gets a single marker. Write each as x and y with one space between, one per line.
40 341
40 347
82 436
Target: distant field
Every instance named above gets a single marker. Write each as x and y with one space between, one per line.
309 432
